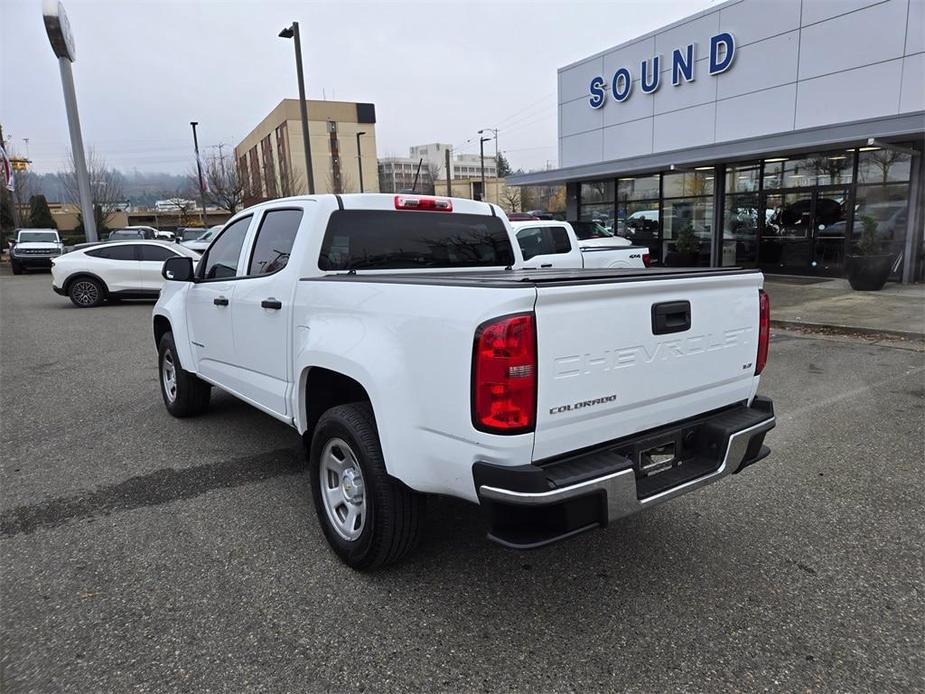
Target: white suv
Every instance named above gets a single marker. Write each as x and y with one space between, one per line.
117 270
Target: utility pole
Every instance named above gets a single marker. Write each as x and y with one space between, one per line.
292 32
360 158
202 188
449 175
62 43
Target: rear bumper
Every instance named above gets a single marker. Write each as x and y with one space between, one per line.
533 505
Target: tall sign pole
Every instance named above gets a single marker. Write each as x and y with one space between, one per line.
202 184
62 43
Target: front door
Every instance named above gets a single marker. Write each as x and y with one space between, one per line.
209 304
804 231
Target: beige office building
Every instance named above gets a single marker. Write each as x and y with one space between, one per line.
271 158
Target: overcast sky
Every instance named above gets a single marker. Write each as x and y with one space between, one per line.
436 71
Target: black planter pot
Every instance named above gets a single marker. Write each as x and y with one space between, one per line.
676 259
868 273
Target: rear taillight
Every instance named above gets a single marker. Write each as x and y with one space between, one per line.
764 330
646 259
423 202
504 375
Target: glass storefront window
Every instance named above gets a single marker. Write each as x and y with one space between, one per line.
687 184
740 229
882 210
883 166
601 214
596 192
638 188
743 178
822 169
687 231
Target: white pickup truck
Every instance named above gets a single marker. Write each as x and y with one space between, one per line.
402 338
545 243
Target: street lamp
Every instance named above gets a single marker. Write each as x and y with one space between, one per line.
202 187
360 158
493 131
292 32
482 141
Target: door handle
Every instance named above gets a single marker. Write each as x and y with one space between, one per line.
220 301
546 265
275 304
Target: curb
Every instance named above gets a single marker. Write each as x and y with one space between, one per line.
847 329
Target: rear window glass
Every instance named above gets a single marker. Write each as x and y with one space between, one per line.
379 240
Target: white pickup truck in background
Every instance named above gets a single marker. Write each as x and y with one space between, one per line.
397 335
554 244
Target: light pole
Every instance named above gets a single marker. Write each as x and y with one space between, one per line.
482 141
494 131
62 43
360 158
292 32
202 188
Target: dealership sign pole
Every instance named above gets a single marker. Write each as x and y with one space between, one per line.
62 42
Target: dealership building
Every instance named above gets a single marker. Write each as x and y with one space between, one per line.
761 134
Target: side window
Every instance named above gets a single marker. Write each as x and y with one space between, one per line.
221 260
531 242
274 241
121 252
559 239
156 253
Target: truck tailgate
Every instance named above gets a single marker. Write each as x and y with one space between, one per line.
618 358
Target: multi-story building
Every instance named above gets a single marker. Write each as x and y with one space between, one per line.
397 174
271 159
462 165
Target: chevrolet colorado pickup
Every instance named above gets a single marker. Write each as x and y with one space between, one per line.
403 339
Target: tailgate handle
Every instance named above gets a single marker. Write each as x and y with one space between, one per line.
671 317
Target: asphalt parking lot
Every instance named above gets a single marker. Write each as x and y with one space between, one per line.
140 552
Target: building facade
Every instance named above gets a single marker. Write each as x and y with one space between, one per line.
397 174
461 165
754 133
271 159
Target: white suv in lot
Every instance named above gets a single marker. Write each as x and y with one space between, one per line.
34 248
116 270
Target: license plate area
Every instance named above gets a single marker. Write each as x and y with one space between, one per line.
658 458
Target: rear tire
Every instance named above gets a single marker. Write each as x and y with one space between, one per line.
16 267
185 395
349 481
86 292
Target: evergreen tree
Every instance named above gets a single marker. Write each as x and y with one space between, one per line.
39 214
503 165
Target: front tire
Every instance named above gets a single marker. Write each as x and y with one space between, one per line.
86 292
17 268
185 395
369 518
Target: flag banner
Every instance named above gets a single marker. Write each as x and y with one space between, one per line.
6 168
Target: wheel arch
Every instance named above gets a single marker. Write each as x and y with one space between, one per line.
323 388
161 327
81 274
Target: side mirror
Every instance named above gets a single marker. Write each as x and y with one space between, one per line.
178 269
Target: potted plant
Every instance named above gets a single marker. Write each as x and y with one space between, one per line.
686 249
870 265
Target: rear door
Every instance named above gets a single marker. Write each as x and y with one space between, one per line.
618 358
151 263
262 311
548 246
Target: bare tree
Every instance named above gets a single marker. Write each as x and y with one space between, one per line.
105 188
510 198
225 183
433 175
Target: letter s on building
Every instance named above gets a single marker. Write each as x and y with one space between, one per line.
597 92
